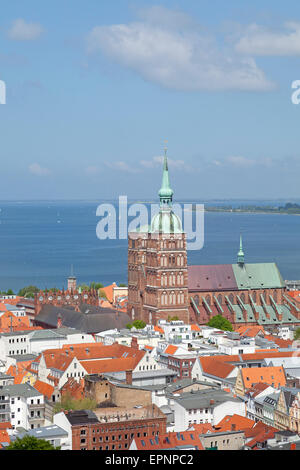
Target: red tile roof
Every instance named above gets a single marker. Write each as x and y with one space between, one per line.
171 349
274 376
234 423
44 388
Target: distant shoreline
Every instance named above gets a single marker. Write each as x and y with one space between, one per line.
245 211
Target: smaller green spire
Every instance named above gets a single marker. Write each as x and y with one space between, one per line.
241 256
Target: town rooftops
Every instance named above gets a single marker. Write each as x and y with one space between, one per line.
208 398
45 432
81 417
91 319
24 390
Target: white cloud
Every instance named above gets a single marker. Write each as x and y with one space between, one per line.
257 40
158 161
243 162
22 31
170 50
38 170
122 166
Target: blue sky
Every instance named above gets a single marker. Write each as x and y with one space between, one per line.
94 88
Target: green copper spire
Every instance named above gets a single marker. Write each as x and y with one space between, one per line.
241 259
165 192
166 221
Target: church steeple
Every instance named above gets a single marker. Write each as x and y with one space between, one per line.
165 192
72 280
241 256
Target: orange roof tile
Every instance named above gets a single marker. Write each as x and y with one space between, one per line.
159 329
109 291
234 422
111 365
44 388
171 349
195 328
250 331
274 376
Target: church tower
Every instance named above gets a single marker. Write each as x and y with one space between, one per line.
157 264
72 281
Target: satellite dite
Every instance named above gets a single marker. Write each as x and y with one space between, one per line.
2 92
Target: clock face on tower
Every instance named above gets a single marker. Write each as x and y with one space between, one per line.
41 299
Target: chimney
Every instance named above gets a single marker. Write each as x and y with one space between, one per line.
134 343
129 377
59 321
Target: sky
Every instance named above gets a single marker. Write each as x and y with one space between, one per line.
95 88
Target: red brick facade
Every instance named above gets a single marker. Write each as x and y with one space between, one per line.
116 435
157 277
65 297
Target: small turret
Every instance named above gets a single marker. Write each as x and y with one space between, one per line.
241 256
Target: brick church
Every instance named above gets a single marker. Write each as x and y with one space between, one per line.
71 297
161 285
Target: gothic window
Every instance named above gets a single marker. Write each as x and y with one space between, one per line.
254 296
196 299
231 298
207 298
243 298
275 296
220 299
172 298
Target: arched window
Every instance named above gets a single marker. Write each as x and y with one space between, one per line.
196 299
207 298
231 298
220 299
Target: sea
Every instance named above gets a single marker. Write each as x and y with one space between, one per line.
40 241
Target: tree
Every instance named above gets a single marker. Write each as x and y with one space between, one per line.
138 324
297 334
172 318
102 294
28 291
30 443
70 403
96 285
122 285
10 292
220 323
84 287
